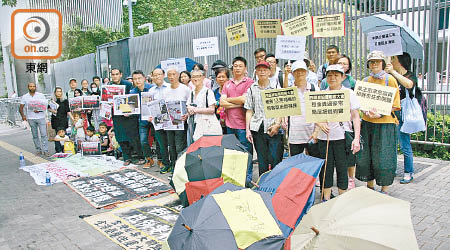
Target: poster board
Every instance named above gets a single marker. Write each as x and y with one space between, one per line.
267 28
281 102
375 96
178 63
109 91
237 34
389 41
205 46
91 149
176 109
76 103
158 110
329 25
146 100
105 110
298 26
327 106
91 102
39 105
126 104
290 47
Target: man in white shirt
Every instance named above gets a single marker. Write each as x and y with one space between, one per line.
36 106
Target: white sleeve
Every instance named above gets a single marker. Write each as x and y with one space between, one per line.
211 98
354 102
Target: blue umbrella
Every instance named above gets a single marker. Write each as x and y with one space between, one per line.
411 42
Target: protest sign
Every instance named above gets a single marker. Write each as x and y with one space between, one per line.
158 110
108 91
205 46
146 99
126 104
178 63
329 25
237 34
39 105
389 41
91 148
76 103
375 96
91 102
281 102
105 110
298 26
176 110
290 47
267 28
115 187
327 106
53 105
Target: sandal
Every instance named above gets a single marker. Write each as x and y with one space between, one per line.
127 162
141 162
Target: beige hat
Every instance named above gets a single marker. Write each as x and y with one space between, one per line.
335 67
376 55
299 64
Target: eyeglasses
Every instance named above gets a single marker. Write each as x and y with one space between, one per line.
372 62
196 76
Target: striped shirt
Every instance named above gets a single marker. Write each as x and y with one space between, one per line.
254 102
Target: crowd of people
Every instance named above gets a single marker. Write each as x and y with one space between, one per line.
364 148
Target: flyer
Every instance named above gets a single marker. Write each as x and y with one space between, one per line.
90 148
146 99
126 104
106 110
108 91
39 105
158 110
176 110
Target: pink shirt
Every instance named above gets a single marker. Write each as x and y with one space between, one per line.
235 117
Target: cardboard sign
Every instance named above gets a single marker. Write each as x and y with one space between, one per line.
290 47
109 91
375 96
91 102
389 41
267 28
281 102
298 26
126 104
329 25
205 46
178 63
327 106
237 34
91 148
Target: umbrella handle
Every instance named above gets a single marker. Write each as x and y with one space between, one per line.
315 230
187 227
254 184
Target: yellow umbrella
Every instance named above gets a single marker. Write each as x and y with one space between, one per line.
358 219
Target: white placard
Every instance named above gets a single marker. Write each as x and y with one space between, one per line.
205 46
389 41
290 47
178 63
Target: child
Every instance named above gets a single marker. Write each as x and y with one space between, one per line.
60 138
104 138
78 130
90 135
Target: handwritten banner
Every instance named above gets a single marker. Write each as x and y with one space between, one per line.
267 28
205 46
298 26
281 102
178 63
389 41
290 47
237 34
327 106
329 25
375 96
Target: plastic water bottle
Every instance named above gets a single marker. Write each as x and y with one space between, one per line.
48 181
21 161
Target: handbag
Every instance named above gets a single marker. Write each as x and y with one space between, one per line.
349 136
206 124
412 116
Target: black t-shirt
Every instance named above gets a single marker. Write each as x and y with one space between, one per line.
418 93
60 119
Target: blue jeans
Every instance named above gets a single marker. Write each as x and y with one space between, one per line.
405 147
268 150
144 130
41 125
240 135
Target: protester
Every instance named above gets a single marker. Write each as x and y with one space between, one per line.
126 126
90 135
96 80
311 78
85 87
233 98
60 139
106 81
104 138
185 77
206 81
335 133
332 54
78 133
349 82
77 92
219 64
378 161
398 68
94 89
276 79
300 132
260 55
145 128
262 132
312 66
73 85
35 118
222 76
288 78
59 115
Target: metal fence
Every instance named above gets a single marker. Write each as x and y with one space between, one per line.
9 111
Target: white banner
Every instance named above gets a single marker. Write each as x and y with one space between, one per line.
290 47
178 63
205 46
389 41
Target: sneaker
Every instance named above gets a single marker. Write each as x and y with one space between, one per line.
160 164
166 169
351 183
407 178
149 163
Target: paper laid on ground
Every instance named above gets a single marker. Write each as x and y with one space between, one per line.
91 148
298 26
76 103
126 104
389 41
290 47
178 63
91 102
375 96
58 172
139 225
237 34
327 106
146 99
116 187
105 110
176 110
267 28
39 105
281 102
329 25
109 91
205 46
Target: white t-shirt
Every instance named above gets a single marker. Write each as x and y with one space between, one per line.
200 99
66 138
299 130
181 93
80 131
336 130
30 101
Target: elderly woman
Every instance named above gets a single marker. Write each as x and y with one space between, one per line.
378 161
222 76
348 82
60 111
335 133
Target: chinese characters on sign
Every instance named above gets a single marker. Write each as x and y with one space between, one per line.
329 25
267 28
32 67
388 41
281 102
298 26
290 47
375 96
205 46
237 34
179 64
327 106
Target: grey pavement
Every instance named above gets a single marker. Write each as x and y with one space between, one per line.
41 217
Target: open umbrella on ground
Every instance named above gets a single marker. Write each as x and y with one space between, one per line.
207 158
231 217
358 219
411 42
291 184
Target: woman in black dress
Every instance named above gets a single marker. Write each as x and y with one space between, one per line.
59 107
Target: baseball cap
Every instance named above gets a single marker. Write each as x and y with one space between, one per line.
218 64
263 63
376 55
336 67
300 64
